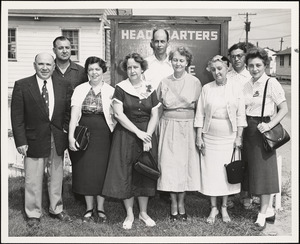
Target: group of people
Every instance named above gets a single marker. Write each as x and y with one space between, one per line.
190 130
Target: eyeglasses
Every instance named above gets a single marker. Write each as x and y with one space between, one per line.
239 56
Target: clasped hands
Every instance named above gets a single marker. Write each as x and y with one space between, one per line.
263 127
146 138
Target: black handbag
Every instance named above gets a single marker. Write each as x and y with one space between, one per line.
275 137
235 169
147 165
82 137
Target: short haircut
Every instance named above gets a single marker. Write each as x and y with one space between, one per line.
60 38
137 58
257 52
155 30
95 60
183 51
240 45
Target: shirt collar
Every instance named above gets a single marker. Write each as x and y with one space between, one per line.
262 79
41 81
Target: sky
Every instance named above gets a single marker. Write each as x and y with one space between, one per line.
267 26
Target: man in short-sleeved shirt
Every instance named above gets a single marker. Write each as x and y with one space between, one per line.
65 69
159 65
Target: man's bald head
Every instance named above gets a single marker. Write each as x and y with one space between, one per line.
44 65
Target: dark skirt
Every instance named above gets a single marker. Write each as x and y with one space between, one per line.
89 166
122 180
262 173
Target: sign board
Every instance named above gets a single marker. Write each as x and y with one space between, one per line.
204 36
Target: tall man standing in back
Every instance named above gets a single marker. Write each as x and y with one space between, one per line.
40 108
159 65
65 69
240 74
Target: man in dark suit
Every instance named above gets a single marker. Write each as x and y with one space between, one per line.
40 109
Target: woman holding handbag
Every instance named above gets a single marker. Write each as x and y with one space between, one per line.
262 165
135 107
91 107
178 154
220 120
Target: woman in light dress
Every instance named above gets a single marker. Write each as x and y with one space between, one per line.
178 156
220 119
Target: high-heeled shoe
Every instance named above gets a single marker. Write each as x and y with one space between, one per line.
226 217
271 219
260 223
174 217
90 218
212 217
101 219
183 216
149 222
127 224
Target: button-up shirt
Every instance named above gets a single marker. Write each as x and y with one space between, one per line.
50 93
243 77
254 91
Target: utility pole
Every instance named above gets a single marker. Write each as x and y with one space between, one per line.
247 26
281 41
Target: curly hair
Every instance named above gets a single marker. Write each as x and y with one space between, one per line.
95 60
257 52
183 51
137 58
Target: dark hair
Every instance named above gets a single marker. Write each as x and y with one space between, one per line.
155 30
95 60
257 52
137 58
60 38
184 52
240 45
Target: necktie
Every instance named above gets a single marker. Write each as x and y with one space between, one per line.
45 96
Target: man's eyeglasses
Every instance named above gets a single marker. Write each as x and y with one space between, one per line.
239 56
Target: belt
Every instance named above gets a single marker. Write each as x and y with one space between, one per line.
258 118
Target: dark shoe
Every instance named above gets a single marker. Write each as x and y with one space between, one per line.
101 219
271 219
33 222
62 216
86 219
173 217
183 217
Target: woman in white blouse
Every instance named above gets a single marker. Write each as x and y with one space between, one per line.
262 165
91 107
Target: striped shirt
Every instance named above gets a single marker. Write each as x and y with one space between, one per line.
254 95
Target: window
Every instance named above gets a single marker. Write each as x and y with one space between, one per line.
281 63
12 45
289 60
73 37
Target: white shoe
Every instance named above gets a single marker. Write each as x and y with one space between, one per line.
127 224
149 222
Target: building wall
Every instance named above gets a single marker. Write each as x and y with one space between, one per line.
33 37
283 72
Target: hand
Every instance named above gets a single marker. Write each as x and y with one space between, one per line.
72 143
147 146
200 145
144 136
238 142
23 150
263 127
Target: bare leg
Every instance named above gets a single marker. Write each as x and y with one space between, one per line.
214 210
181 197
225 215
174 204
100 205
127 224
89 200
143 203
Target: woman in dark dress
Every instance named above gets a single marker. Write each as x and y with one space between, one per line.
135 107
262 165
91 106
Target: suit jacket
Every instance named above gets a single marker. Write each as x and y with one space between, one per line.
30 123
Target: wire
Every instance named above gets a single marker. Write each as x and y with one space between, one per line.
269 38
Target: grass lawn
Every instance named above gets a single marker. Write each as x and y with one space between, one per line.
197 208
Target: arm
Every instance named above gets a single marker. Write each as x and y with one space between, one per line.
282 111
18 119
126 123
199 141
153 122
75 115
